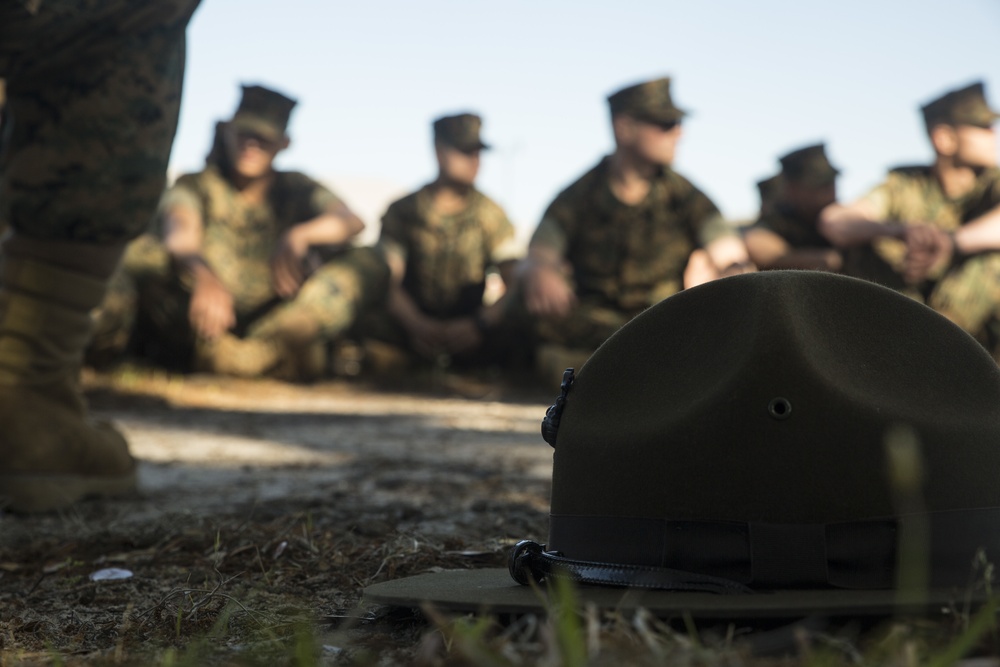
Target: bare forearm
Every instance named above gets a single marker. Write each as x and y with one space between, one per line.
183 232
980 235
727 251
850 226
329 229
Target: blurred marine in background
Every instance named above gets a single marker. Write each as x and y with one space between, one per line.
619 239
786 235
933 232
440 242
251 272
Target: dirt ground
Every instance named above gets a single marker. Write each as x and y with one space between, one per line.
266 508
274 504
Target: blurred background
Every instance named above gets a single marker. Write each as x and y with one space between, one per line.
759 78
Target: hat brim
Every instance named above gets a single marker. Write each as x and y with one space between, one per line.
674 115
258 126
987 120
468 148
493 590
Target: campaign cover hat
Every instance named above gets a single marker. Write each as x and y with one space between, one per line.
770 444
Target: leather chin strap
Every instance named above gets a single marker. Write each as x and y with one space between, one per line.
528 561
732 556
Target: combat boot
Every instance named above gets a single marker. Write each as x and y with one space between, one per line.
51 453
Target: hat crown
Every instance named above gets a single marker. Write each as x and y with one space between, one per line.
267 108
650 100
673 417
461 131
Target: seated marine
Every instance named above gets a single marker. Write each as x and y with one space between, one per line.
620 238
933 231
786 235
440 243
252 273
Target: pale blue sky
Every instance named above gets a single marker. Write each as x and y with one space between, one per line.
760 78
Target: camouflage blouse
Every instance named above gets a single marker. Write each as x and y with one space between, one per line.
240 237
797 231
447 256
629 257
913 195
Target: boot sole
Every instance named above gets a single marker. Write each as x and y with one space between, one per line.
30 494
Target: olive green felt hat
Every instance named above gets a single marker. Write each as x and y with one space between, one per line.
770 444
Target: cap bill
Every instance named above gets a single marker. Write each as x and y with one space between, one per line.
256 125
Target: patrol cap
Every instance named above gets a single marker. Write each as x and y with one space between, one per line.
808 165
649 101
263 111
962 106
770 190
769 444
460 131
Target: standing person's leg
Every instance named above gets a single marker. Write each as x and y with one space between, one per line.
93 91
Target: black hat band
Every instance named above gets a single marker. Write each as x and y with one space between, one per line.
700 555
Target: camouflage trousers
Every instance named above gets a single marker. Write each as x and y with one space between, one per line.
586 326
146 309
969 296
560 343
497 347
93 91
968 293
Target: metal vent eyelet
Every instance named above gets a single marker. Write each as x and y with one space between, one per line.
779 408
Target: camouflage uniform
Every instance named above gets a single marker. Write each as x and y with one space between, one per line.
92 95
151 298
968 292
623 258
808 165
72 169
797 231
239 240
447 257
